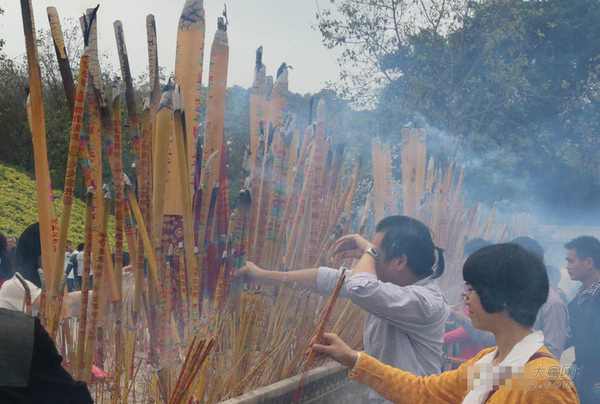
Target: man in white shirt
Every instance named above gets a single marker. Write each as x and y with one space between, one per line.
80 270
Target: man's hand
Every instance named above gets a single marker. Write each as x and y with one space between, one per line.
249 272
333 347
351 246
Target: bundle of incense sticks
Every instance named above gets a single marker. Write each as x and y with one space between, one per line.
320 331
195 359
433 195
295 201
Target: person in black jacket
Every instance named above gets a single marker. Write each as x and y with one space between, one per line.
30 369
583 261
29 254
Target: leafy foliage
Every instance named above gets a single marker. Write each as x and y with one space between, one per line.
18 206
514 82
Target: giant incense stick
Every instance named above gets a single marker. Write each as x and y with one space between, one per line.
98 283
276 111
258 100
159 177
62 58
152 268
95 140
48 230
186 199
280 145
215 108
71 171
188 74
215 116
315 203
153 73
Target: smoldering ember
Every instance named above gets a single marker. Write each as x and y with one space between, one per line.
422 229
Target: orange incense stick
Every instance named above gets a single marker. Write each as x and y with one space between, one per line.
71 171
98 284
47 219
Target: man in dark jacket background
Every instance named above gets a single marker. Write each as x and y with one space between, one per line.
583 261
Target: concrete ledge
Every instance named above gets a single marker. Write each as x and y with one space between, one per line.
320 382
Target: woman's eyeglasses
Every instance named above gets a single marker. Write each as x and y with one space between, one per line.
466 294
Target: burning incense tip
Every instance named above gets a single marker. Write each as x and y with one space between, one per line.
166 100
191 15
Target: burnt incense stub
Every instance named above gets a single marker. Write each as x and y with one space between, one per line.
192 15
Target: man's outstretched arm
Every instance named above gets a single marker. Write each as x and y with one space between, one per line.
304 278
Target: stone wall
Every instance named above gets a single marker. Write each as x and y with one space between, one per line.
328 384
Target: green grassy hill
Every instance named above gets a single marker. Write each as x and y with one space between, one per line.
18 206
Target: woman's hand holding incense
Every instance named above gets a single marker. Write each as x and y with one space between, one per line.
333 347
351 246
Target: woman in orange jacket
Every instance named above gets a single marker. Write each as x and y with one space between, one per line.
507 285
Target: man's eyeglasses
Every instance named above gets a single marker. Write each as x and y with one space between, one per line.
466 294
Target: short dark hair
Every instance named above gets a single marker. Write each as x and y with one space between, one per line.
80 247
586 247
475 244
405 235
508 277
530 244
28 251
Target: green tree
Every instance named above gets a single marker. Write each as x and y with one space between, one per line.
514 81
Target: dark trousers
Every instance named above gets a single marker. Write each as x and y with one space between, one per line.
79 281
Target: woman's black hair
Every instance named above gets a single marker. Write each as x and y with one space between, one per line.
508 277
6 270
29 250
405 235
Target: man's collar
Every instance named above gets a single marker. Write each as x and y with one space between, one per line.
584 293
591 290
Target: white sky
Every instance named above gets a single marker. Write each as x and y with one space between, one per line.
283 27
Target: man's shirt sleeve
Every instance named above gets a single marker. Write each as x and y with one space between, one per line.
405 306
327 279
